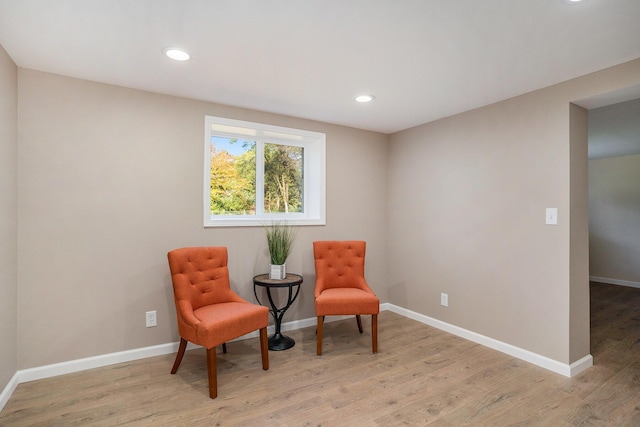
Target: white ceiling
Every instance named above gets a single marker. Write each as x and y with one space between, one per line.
422 59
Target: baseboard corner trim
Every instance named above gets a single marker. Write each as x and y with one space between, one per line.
580 365
8 390
511 350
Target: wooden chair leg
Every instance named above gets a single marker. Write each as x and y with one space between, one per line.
212 371
359 320
322 322
181 349
374 332
264 348
224 347
319 335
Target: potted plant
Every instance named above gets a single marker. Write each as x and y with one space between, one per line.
280 237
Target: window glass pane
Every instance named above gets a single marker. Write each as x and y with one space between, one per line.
257 173
233 176
283 178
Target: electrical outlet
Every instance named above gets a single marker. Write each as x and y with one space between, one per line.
152 319
444 300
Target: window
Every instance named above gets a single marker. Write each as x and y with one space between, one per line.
255 174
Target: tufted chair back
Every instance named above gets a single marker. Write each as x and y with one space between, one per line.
339 264
200 276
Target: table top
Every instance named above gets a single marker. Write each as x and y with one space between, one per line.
289 280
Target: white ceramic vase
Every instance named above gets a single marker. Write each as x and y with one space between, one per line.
277 272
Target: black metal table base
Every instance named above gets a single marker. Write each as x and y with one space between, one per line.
280 342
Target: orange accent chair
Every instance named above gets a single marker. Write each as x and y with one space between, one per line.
209 312
340 285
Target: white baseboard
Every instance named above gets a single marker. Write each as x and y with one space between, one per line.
8 390
62 368
526 355
580 365
614 281
77 365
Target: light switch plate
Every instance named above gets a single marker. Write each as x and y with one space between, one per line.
552 216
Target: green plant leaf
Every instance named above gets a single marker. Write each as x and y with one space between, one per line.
280 238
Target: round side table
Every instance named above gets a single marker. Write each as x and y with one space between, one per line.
278 341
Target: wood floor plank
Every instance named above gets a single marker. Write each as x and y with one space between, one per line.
615 400
421 376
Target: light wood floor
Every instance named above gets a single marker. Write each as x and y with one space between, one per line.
421 376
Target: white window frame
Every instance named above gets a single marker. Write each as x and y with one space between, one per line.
313 144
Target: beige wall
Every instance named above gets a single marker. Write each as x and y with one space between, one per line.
111 180
8 217
467 199
614 223
579 316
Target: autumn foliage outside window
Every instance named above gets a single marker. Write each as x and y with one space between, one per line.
233 177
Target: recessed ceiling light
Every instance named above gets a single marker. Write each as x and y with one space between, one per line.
364 98
176 54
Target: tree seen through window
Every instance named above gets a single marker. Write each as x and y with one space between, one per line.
233 177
